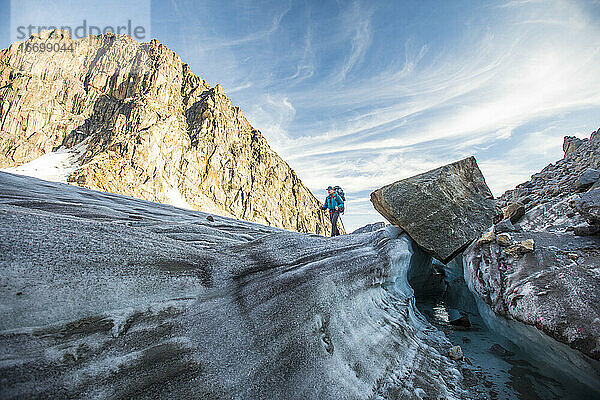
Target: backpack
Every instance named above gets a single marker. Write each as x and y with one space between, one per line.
340 192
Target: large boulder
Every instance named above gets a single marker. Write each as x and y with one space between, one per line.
443 210
588 206
514 212
588 179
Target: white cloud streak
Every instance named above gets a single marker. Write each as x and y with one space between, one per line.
361 38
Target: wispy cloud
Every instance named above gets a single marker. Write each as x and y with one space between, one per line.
258 35
361 38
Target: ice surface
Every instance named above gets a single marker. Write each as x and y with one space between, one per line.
105 296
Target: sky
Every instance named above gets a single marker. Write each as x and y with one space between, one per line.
363 93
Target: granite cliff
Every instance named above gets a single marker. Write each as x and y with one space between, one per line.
138 122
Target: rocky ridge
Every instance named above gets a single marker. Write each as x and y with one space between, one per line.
561 179
149 128
539 266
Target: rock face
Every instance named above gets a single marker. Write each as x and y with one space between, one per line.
106 296
570 144
588 206
549 278
443 210
550 283
588 179
514 212
146 127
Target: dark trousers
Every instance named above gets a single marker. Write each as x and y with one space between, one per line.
333 216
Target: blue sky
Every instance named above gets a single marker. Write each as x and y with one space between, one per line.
363 93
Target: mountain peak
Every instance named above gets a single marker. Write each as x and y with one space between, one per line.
145 126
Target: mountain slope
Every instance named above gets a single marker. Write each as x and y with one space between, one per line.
147 127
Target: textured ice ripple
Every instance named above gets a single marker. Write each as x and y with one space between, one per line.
104 296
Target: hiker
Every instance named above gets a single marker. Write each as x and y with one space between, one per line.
335 204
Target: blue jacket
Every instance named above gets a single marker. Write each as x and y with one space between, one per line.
331 201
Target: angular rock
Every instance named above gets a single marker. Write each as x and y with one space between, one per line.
588 179
487 237
528 245
588 206
585 230
520 248
514 212
455 353
504 226
504 239
525 200
442 210
570 144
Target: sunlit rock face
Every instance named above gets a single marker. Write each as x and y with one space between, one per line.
106 296
144 126
443 210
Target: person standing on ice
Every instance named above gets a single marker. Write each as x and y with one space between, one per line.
335 204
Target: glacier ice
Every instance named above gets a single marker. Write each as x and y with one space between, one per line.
105 296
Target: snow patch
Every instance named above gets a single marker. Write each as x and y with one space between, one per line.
55 166
177 200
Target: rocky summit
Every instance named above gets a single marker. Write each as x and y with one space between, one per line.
138 122
443 210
